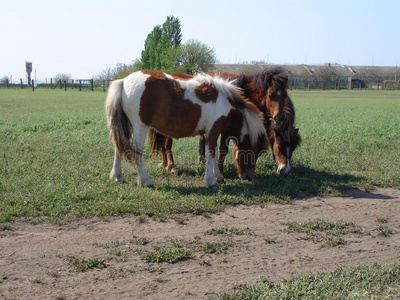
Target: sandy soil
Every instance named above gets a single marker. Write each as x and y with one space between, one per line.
34 258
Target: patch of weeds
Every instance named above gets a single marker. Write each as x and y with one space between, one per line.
60 297
161 254
37 280
322 230
140 241
334 241
151 286
384 230
142 219
84 264
4 227
179 220
382 220
3 277
118 272
271 240
55 274
120 254
218 247
229 231
116 250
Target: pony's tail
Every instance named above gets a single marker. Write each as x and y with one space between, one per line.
120 127
156 142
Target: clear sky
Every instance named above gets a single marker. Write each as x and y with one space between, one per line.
83 37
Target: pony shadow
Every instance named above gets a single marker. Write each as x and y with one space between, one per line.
360 194
301 183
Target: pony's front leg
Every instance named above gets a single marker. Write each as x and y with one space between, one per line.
211 167
137 147
116 173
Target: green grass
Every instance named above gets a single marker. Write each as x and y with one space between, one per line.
225 230
83 264
359 282
167 254
55 158
329 232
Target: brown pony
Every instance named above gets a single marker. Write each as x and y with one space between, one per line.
268 90
181 107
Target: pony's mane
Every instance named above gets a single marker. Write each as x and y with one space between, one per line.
252 115
279 78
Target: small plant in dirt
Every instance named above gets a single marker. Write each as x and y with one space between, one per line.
4 227
382 220
84 264
219 246
140 241
37 280
271 240
322 230
161 254
225 230
384 230
3 277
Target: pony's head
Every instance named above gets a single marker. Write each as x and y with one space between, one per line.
278 104
251 141
245 156
279 119
283 143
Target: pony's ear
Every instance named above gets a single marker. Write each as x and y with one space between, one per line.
241 81
269 79
286 78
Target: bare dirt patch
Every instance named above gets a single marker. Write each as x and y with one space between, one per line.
36 259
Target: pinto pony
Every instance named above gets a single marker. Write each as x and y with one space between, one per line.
181 107
268 91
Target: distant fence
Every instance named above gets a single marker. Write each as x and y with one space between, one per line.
342 83
79 84
294 83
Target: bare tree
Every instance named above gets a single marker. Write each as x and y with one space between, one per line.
63 77
325 74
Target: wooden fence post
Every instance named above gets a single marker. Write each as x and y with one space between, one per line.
51 83
22 85
33 85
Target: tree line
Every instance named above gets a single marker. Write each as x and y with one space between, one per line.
163 50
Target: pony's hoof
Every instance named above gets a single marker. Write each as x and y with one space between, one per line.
161 165
150 186
213 186
202 160
117 179
221 181
170 169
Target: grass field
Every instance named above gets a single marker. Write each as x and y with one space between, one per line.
55 158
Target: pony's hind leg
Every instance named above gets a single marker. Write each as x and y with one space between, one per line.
169 158
137 147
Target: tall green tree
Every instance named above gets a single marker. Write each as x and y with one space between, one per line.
171 33
150 56
159 42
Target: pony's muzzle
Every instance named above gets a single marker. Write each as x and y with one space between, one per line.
283 170
248 175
